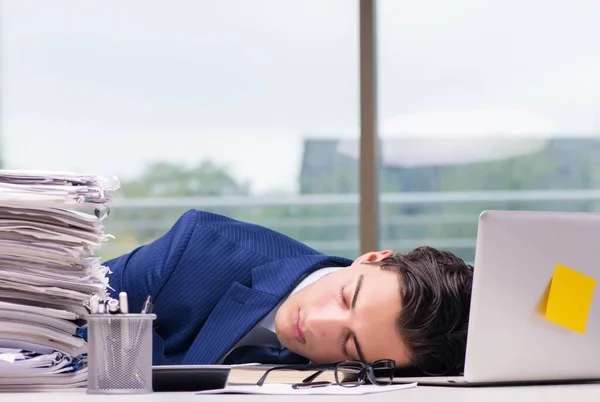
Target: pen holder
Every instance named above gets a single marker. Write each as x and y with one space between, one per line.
120 353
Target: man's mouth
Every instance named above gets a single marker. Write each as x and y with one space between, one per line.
296 331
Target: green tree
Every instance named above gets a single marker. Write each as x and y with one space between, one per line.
135 226
166 179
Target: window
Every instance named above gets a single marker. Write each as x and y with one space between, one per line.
228 106
484 105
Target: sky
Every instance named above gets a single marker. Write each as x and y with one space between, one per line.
108 87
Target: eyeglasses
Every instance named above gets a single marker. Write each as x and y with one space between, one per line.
347 373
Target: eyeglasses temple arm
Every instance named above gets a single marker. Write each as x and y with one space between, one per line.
313 376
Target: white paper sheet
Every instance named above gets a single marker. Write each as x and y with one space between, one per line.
48 188
36 299
28 278
24 345
286 389
45 381
26 366
9 316
9 358
9 329
49 312
9 350
59 217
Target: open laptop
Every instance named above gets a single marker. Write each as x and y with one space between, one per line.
509 339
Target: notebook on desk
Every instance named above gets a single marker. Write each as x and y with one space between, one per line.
535 306
205 377
250 374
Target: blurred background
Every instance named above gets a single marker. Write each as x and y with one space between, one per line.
251 109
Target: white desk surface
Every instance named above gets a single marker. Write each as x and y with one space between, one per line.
541 393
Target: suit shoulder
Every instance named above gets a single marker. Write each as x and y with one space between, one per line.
254 237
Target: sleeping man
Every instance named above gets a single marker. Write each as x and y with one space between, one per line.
226 291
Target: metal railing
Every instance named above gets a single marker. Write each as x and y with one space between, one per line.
329 222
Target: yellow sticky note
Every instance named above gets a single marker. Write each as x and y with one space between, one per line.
570 298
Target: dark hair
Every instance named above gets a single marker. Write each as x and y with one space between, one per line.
435 289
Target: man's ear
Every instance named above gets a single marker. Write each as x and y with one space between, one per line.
374 256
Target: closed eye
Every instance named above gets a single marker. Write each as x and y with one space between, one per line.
342 298
344 347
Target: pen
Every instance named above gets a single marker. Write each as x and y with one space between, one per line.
123 303
124 307
147 308
94 304
101 307
113 306
314 384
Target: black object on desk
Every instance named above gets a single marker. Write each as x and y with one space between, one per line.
189 378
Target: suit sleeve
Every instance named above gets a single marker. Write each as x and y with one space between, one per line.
266 242
144 271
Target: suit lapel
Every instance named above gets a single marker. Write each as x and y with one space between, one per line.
241 308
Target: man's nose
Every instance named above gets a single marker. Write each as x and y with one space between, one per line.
326 321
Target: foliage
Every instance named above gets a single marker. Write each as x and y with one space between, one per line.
166 179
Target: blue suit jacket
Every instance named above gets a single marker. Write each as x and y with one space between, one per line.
212 279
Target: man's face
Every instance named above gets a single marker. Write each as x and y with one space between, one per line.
349 314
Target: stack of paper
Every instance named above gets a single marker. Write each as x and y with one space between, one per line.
60 188
48 271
